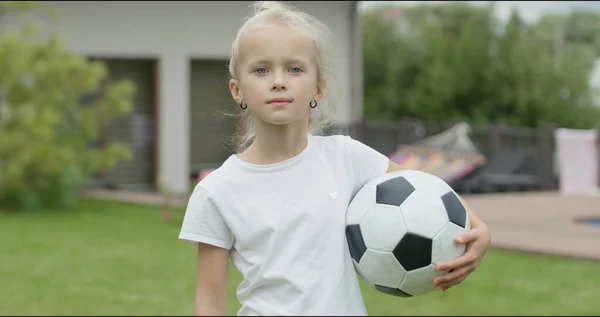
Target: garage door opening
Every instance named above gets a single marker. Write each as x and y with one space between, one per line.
137 129
211 123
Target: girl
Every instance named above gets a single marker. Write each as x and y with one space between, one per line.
277 208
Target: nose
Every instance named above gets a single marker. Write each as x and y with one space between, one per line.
278 82
278 86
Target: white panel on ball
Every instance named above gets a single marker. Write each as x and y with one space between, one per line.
427 182
382 268
360 204
362 274
383 231
424 214
420 281
385 177
444 248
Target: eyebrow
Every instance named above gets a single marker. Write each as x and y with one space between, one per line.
287 61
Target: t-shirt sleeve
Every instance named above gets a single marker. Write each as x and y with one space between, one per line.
204 223
367 163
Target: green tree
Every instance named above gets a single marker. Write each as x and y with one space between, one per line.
578 27
452 81
537 83
457 61
53 104
380 100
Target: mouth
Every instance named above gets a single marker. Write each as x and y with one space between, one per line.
279 101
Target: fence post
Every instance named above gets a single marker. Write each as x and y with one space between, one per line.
598 151
547 157
363 130
407 131
495 138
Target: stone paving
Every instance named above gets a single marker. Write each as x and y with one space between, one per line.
539 222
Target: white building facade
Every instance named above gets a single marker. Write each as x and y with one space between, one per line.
595 82
176 52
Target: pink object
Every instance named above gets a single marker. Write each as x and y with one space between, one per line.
578 161
204 173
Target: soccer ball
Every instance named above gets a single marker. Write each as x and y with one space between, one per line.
400 226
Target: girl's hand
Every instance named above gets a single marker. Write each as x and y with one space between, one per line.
477 240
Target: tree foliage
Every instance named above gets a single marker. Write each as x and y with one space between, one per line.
457 61
53 105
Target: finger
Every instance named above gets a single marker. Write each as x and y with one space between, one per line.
466 259
453 275
445 286
467 236
450 276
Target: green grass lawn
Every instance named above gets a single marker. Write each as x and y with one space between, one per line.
123 259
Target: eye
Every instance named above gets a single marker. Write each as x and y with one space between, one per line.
261 70
296 69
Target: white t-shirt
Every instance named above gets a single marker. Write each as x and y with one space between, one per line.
284 224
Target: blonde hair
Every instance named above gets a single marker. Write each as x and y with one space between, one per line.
266 12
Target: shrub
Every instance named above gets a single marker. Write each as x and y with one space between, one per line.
53 106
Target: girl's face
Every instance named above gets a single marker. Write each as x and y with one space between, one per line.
276 75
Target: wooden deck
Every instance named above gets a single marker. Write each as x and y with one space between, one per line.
542 222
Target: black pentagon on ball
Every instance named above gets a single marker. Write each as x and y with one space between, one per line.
356 243
413 251
393 191
391 291
456 210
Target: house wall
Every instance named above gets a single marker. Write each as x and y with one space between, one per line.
176 32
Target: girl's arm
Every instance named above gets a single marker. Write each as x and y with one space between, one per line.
211 282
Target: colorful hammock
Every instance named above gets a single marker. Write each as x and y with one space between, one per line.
444 164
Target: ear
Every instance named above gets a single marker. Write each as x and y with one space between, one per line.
320 90
234 88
